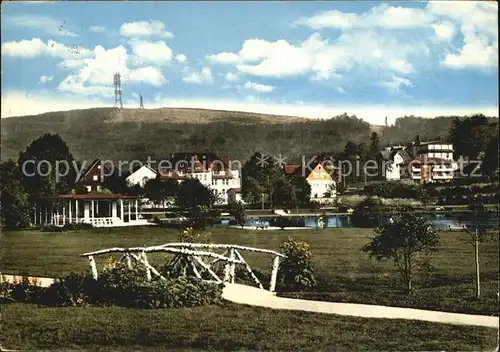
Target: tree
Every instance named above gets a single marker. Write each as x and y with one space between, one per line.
117 184
478 232
265 171
14 209
489 163
470 136
374 147
237 209
368 213
407 240
195 201
302 189
46 152
252 191
283 193
159 191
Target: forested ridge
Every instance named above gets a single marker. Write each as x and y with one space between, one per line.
136 134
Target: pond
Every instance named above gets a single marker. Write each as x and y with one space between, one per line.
441 221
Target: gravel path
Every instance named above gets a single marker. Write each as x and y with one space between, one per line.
243 294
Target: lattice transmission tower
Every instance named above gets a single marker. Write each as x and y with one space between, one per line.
118 90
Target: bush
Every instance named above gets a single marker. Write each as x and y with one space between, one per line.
72 290
296 271
25 292
117 286
66 227
78 226
368 213
51 228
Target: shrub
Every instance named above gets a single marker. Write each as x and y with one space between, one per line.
77 226
51 228
25 292
368 213
5 292
72 290
296 271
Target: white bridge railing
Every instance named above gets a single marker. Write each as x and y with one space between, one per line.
195 253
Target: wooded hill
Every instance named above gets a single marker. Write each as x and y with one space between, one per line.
130 134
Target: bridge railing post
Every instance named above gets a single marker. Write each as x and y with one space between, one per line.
274 274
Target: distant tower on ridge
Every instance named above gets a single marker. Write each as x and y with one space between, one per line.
118 90
142 103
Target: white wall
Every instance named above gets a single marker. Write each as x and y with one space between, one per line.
141 176
319 187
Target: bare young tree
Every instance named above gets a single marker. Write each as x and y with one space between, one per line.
479 232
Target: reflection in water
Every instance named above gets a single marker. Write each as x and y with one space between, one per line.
441 221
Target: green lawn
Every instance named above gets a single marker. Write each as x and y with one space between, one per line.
227 328
336 252
343 272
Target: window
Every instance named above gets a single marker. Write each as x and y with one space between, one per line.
99 167
89 188
95 177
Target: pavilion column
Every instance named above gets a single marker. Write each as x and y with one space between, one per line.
64 213
46 215
121 210
92 209
70 213
136 210
76 210
57 214
34 216
128 210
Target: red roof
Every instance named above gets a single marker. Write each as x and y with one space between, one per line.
291 168
236 190
94 196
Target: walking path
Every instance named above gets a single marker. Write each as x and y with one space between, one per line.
253 296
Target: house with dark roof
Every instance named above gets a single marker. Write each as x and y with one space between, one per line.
321 176
211 170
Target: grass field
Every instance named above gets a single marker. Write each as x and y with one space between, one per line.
344 273
228 328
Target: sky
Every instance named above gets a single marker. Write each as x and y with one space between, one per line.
310 59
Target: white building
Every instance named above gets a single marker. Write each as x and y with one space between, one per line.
436 150
393 161
211 170
141 176
320 178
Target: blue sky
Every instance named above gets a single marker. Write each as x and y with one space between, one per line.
313 59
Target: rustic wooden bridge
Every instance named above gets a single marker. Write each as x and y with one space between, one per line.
197 256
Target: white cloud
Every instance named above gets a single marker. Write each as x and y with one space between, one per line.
36 47
341 90
93 76
262 88
478 23
231 77
383 16
204 76
322 59
396 83
15 103
444 30
181 58
155 52
48 25
224 58
97 29
151 28
45 79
